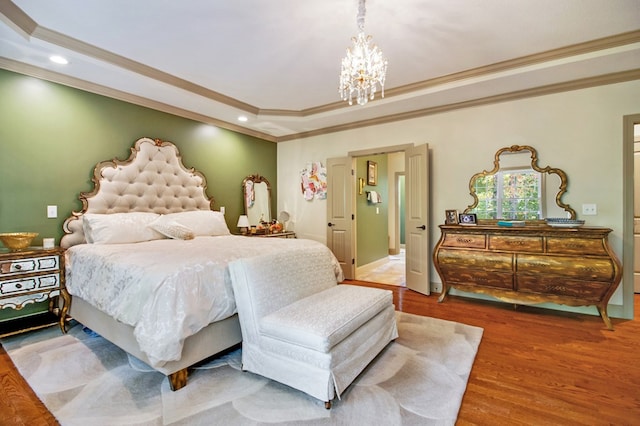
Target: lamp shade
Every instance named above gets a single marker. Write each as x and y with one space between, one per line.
243 221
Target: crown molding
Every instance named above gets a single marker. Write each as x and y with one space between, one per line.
505 97
98 89
524 61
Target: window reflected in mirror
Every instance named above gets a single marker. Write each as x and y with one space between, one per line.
510 194
517 188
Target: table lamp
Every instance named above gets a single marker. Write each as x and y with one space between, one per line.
243 224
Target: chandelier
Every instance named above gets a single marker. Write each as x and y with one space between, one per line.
364 68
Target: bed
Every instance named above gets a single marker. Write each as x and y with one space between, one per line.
146 261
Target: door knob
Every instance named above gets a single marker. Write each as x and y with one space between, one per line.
329 224
421 227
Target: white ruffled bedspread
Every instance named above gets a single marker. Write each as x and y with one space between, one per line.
166 289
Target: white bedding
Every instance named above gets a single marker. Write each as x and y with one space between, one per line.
166 289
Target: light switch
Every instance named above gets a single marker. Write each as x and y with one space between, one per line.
222 209
52 212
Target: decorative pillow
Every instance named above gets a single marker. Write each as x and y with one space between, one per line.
201 222
172 229
117 228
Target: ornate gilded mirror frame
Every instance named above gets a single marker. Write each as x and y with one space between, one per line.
256 193
534 165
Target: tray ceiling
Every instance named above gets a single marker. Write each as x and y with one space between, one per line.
277 61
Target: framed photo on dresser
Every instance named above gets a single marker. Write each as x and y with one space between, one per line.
468 219
451 217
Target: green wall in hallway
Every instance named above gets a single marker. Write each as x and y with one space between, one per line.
372 226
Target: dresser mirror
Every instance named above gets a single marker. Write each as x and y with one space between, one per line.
517 188
256 192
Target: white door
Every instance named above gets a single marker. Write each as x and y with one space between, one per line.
636 216
340 184
418 258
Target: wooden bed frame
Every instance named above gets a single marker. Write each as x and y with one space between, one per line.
152 179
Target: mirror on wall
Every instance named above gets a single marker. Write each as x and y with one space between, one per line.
256 192
517 188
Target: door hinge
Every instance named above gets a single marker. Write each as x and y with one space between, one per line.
353 172
353 261
353 216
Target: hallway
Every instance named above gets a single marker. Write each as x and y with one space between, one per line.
391 272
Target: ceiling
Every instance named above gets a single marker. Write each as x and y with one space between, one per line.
277 61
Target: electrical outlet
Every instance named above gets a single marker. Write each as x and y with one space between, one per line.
52 212
589 209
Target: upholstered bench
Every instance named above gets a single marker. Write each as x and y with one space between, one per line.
303 329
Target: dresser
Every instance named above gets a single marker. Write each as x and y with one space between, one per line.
34 275
530 264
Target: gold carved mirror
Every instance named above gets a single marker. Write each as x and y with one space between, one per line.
518 189
256 192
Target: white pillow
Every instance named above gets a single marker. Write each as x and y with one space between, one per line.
117 228
172 229
201 222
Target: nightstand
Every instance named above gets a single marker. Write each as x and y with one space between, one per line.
284 234
34 275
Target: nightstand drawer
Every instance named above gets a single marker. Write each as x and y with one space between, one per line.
34 264
25 285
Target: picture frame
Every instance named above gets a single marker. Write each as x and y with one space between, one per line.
372 173
467 219
451 217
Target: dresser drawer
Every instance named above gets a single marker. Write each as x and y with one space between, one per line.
464 241
576 246
515 243
598 269
475 259
25 285
585 290
23 266
480 278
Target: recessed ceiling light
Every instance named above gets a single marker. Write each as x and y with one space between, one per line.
243 118
58 59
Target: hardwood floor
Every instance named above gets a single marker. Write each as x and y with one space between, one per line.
534 366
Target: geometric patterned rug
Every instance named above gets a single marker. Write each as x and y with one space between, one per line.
83 379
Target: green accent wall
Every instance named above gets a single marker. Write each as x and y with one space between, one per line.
372 228
52 136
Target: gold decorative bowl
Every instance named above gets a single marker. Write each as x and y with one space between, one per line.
15 241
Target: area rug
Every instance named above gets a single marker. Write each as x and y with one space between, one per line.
419 379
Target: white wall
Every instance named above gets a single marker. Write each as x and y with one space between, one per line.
578 131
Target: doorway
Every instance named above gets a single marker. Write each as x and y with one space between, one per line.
385 263
342 182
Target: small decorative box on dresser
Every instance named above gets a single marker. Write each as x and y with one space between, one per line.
33 275
530 264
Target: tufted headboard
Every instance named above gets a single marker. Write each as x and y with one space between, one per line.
152 179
